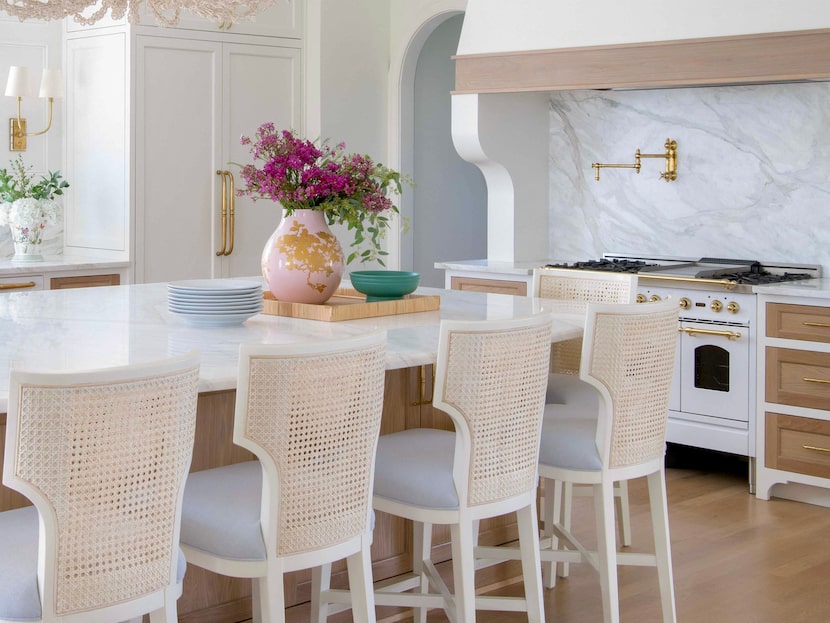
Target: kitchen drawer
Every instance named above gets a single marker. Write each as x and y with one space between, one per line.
21 283
798 377
493 286
798 444
84 281
798 322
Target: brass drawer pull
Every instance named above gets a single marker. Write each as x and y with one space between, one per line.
730 335
822 381
823 325
816 448
422 387
18 285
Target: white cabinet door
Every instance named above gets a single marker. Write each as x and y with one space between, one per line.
194 100
177 149
260 83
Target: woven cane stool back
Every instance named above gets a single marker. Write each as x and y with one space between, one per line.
103 456
316 416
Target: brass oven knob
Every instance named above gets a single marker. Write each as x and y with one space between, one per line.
654 298
685 303
716 306
732 307
641 298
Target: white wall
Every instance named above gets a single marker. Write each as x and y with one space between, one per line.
36 45
498 26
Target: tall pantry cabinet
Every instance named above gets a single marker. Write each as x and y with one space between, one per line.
154 118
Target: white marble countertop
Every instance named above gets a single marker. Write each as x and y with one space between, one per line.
492 266
87 328
809 288
56 263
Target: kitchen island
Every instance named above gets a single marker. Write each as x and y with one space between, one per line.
68 330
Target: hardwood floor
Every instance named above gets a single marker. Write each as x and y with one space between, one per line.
737 559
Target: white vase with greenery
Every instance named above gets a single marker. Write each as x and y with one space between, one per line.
28 207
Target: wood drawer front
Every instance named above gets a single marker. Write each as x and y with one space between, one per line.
84 281
797 444
21 283
798 377
798 322
493 286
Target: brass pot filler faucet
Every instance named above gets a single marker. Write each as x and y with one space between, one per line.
670 174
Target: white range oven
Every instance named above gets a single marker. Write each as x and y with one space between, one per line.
713 394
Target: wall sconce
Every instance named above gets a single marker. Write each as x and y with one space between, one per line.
51 86
670 174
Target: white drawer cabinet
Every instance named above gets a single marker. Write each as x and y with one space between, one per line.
21 283
793 393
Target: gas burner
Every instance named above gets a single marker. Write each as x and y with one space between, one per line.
613 266
764 277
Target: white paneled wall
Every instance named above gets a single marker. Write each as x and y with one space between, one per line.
35 45
753 173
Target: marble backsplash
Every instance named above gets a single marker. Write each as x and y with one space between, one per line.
753 173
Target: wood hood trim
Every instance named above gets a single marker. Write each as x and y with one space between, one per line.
740 59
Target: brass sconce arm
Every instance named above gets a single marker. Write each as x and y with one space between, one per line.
670 156
51 86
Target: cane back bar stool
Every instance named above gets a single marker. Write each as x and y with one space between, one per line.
565 386
490 378
628 357
310 412
103 455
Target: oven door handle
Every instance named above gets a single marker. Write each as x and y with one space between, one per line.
691 331
727 284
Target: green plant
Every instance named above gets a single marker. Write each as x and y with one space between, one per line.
18 183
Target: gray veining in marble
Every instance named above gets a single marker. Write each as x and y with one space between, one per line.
753 173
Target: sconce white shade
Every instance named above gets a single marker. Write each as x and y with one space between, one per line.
18 83
51 83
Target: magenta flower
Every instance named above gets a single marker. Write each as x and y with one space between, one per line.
350 189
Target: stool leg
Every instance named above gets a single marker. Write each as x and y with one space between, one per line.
320 581
531 563
421 551
552 505
625 513
463 569
272 598
360 585
607 550
662 543
567 510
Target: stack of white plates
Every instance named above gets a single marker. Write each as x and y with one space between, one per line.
213 303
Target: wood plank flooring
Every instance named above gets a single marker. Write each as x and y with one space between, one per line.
737 559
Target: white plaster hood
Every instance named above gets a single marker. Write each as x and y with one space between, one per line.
496 26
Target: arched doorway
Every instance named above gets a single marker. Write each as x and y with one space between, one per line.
447 209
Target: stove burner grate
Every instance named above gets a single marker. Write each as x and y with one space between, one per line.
612 266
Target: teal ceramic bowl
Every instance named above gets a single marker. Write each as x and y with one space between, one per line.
384 285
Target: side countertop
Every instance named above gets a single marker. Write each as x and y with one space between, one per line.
492 266
87 328
809 288
57 263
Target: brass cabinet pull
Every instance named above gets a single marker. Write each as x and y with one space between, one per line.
822 381
823 325
17 286
816 448
730 335
422 388
223 214
231 211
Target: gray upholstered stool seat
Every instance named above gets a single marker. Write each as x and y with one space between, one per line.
569 441
415 467
221 511
571 390
19 600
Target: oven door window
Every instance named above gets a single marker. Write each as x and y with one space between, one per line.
714 371
711 368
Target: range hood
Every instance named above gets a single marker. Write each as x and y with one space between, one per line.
544 45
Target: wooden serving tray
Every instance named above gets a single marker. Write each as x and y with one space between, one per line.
348 304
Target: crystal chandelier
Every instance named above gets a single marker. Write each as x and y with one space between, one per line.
166 12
